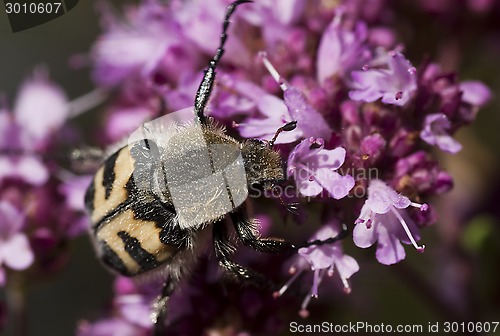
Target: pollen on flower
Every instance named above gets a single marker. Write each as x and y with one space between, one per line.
423 207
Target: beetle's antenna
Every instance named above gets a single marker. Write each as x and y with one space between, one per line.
205 88
290 126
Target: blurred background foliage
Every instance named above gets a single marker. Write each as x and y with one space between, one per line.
458 277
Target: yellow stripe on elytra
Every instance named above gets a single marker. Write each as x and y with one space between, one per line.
124 166
109 234
148 235
146 232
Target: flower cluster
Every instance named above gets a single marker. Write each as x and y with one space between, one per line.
360 105
40 201
369 122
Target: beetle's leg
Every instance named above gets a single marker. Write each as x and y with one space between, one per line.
160 307
205 88
246 232
223 250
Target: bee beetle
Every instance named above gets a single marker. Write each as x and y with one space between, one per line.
155 202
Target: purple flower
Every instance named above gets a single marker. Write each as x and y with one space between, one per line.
394 84
373 146
313 168
148 44
310 123
341 49
422 173
40 109
440 91
276 115
74 191
475 93
287 11
27 168
200 22
282 12
135 303
234 95
382 219
15 250
133 308
321 260
123 120
436 132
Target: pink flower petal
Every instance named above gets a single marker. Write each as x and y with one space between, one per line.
17 252
338 186
11 219
346 266
288 11
475 93
435 132
32 170
41 107
309 188
394 85
381 198
125 120
331 158
341 49
309 121
448 144
389 249
364 237
273 106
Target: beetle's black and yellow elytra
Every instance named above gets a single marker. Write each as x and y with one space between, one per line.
134 222
129 226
